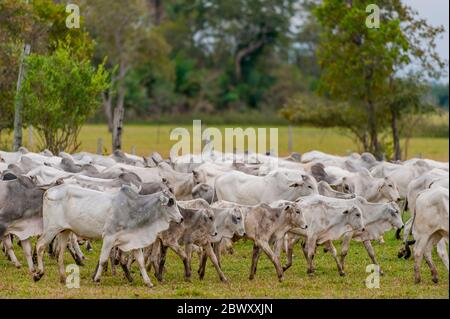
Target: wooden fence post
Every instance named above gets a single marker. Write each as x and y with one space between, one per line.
100 146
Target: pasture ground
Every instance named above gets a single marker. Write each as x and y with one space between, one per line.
398 281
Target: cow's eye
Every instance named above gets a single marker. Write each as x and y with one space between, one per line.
210 218
239 218
298 212
170 202
358 215
390 186
310 187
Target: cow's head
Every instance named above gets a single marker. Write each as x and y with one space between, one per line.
354 219
306 186
203 191
388 189
294 215
393 215
169 207
237 222
208 221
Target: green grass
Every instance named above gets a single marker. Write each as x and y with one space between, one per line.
398 281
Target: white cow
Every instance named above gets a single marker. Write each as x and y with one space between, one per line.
123 219
251 190
430 226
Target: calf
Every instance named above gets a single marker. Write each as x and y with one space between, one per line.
328 221
265 224
197 228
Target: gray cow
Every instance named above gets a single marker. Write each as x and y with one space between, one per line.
20 204
197 228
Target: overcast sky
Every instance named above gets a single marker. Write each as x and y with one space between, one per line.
436 13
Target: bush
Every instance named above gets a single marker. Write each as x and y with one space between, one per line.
59 93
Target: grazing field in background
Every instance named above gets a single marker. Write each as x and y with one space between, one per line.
398 281
149 138
144 139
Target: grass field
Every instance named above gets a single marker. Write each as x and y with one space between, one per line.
398 281
145 139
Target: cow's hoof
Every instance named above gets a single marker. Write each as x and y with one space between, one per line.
37 276
18 265
381 273
280 279
417 280
251 277
149 285
435 280
224 280
342 274
62 280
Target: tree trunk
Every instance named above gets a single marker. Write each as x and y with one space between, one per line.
158 11
107 108
395 136
19 103
373 132
119 111
242 53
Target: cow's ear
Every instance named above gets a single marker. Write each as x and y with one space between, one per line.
195 173
304 177
26 181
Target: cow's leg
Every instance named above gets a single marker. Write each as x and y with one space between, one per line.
74 249
429 260
63 239
419 248
310 249
130 261
162 261
77 250
371 252
112 258
88 246
10 251
442 252
344 249
217 250
108 244
202 266
290 252
124 264
333 251
41 244
28 252
276 262
255 257
212 256
139 256
184 256
188 252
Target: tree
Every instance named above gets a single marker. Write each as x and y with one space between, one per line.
59 93
40 23
359 63
127 39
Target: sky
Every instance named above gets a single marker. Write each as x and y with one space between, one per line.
436 13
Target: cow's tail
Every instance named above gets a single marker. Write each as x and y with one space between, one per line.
407 249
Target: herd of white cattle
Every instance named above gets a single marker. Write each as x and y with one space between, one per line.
139 207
